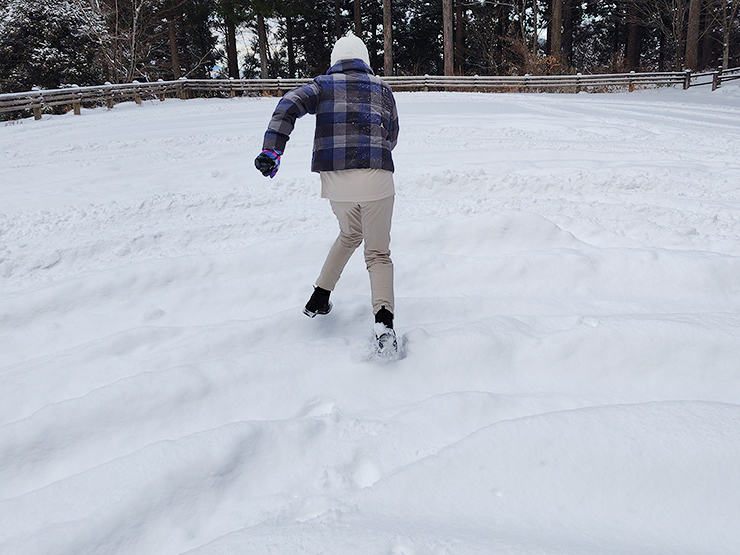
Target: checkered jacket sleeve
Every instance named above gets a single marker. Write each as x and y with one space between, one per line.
295 104
392 120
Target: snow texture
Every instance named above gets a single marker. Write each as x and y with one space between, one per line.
568 299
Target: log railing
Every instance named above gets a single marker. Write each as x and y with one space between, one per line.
716 77
36 101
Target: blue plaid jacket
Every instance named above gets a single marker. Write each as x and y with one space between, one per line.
356 119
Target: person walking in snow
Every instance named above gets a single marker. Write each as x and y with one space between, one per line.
356 130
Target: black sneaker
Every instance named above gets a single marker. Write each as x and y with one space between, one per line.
318 303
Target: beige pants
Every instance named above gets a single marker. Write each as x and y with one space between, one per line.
369 221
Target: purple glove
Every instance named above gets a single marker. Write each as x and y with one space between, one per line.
268 162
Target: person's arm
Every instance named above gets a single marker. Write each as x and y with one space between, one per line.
393 119
295 104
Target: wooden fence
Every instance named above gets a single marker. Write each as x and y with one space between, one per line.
37 101
716 77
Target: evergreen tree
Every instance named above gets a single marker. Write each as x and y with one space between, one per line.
195 43
417 37
314 30
49 44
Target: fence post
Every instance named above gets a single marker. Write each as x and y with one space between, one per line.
426 82
76 103
109 95
137 93
717 77
36 103
631 84
182 88
686 79
279 87
578 82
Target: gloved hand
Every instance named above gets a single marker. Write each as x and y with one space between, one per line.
268 162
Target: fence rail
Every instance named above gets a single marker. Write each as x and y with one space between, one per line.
37 100
716 77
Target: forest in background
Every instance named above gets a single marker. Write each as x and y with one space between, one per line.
56 43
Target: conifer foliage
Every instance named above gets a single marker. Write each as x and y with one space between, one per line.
47 44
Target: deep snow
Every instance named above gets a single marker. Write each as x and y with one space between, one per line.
568 287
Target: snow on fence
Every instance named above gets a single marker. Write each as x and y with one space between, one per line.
108 94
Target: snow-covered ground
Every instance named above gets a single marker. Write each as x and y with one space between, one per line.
568 289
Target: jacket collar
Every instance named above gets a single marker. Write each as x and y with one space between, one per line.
347 66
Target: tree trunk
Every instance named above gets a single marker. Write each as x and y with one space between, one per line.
634 46
459 37
449 66
134 44
679 38
535 24
726 50
634 38
262 37
567 47
173 48
504 19
729 13
387 38
705 42
358 19
291 48
116 74
231 56
691 60
373 45
556 29
337 18
617 33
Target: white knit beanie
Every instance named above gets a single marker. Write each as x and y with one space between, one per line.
348 48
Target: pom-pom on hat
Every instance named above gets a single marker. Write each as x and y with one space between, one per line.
349 48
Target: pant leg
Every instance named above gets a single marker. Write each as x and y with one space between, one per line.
376 230
350 236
